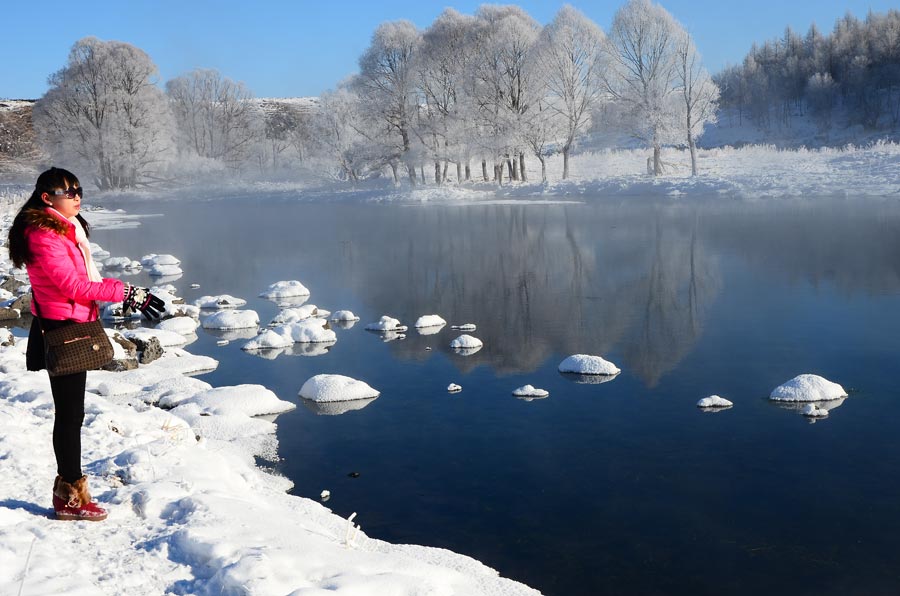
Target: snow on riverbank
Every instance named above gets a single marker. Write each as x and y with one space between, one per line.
750 172
190 512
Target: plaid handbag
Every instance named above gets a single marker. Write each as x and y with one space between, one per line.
75 348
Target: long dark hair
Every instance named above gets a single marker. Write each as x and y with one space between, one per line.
52 179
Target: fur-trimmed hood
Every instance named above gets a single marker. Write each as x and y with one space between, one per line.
43 218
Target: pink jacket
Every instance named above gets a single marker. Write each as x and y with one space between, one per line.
58 274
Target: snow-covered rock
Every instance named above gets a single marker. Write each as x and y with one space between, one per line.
267 340
308 331
466 342
161 265
430 321
98 253
343 316
121 263
714 401
249 400
231 319
153 260
328 388
182 325
464 327
530 391
807 387
294 314
220 302
285 289
584 364
386 323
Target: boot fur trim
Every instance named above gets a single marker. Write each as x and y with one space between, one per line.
75 494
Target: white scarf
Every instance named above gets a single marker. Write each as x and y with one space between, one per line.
84 246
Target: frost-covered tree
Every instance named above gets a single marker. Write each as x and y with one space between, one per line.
387 85
641 48
336 134
543 126
571 57
442 64
104 113
862 59
216 117
699 94
504 90
820 95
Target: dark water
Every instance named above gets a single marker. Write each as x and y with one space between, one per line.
615 488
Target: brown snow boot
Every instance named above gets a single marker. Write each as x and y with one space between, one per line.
72 501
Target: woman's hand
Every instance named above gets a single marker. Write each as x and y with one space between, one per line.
152 307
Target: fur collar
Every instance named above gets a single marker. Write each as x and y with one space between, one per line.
41 218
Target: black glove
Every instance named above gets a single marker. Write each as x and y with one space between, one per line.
141 299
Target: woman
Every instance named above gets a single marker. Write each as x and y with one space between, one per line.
50 238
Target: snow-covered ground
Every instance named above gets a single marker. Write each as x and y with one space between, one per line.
190 512
749 172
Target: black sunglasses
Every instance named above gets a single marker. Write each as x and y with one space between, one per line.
69 193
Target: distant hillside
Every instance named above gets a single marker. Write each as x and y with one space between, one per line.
801 130
817 89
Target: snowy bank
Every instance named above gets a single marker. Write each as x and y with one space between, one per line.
189 510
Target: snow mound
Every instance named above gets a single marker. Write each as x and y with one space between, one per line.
154 260
530 391
294 314
266 340
223 301
308 331
182 325
813 411
584 364
808 388
161 265
466 342
430 321
328 388
386 323
120 263
714 401
285 289
343 315
248 400
98 253
232 319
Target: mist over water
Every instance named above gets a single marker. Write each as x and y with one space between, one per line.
620 487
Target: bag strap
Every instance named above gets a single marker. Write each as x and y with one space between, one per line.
37 307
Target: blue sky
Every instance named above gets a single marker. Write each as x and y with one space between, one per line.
284 49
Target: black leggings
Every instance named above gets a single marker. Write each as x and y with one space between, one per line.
68 399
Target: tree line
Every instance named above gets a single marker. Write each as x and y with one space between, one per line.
471 97
856 67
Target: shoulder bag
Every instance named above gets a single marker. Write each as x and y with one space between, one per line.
75 348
